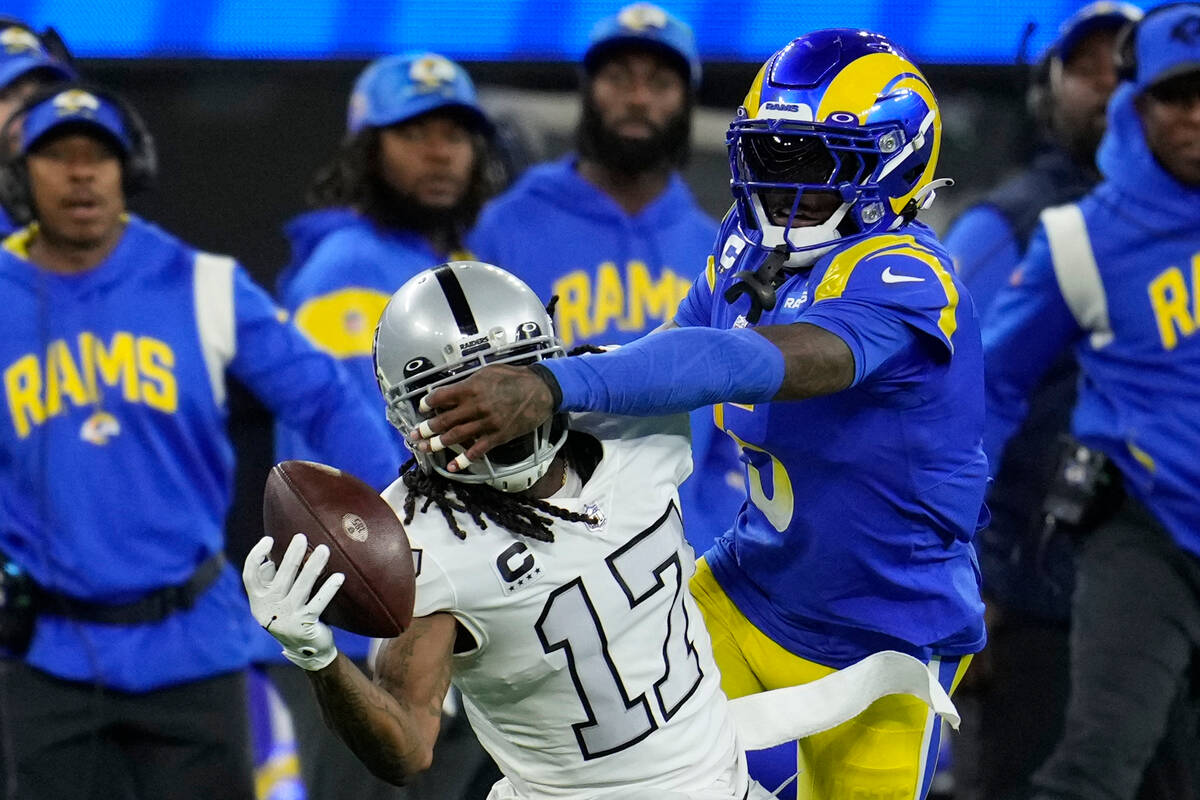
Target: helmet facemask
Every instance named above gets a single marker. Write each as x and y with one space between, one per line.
511 467
788 177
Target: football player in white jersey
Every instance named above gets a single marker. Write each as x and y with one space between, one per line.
551 583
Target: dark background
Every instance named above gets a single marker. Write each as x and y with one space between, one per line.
238 142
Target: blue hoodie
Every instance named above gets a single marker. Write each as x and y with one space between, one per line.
1139 395
7 225
305 232
617 276
343 271
116 469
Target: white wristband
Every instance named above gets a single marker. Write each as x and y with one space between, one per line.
310 658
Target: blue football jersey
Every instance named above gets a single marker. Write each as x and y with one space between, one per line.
116 470
617 277
864 503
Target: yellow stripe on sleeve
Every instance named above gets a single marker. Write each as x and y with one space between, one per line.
948 318
342 323
710 273
833 284
837 275
1143 458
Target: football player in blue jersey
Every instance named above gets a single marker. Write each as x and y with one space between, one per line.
612 229
846 357
29 61
396 199
118 469
1115 277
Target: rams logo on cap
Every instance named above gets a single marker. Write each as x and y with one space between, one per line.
432 72
76 101
18 40
1187 30
640 16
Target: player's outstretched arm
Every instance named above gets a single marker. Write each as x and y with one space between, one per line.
670 372
392 724
816 362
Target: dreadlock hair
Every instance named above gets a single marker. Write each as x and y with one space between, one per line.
516 513
354 177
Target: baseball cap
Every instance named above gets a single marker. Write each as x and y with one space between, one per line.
74 106
648 25
1102 15
1167 44
397 88
22 51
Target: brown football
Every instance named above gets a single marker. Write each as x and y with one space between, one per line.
366 542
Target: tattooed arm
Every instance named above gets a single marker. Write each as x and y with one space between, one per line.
392 724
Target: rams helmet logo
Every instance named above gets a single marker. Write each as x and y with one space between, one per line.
99 428
76 101
432 72
641 16
16 40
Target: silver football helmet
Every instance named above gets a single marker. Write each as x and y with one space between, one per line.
445 324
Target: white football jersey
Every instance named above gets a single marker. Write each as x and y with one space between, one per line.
593 672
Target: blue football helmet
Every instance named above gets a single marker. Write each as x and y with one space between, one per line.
844 114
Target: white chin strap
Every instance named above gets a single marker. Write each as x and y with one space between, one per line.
806 239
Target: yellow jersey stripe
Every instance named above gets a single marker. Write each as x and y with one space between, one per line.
948 318
1143 458
342 323
837 275
710 273
833 284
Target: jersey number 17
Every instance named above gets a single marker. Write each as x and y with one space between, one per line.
648 564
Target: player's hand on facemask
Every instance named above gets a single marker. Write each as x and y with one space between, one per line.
279 599
493 406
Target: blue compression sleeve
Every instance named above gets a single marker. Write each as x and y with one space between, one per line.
672 371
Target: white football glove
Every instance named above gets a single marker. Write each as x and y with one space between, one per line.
279 600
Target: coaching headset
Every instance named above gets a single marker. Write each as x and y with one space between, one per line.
51 42
1127 58
1047 71
138 167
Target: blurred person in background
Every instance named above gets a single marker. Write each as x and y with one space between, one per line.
1029 569
29 61
1115 277
118 469
613 231
397 198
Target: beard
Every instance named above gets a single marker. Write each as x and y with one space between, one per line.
668 146
400 210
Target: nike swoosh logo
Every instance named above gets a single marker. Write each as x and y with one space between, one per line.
891 277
